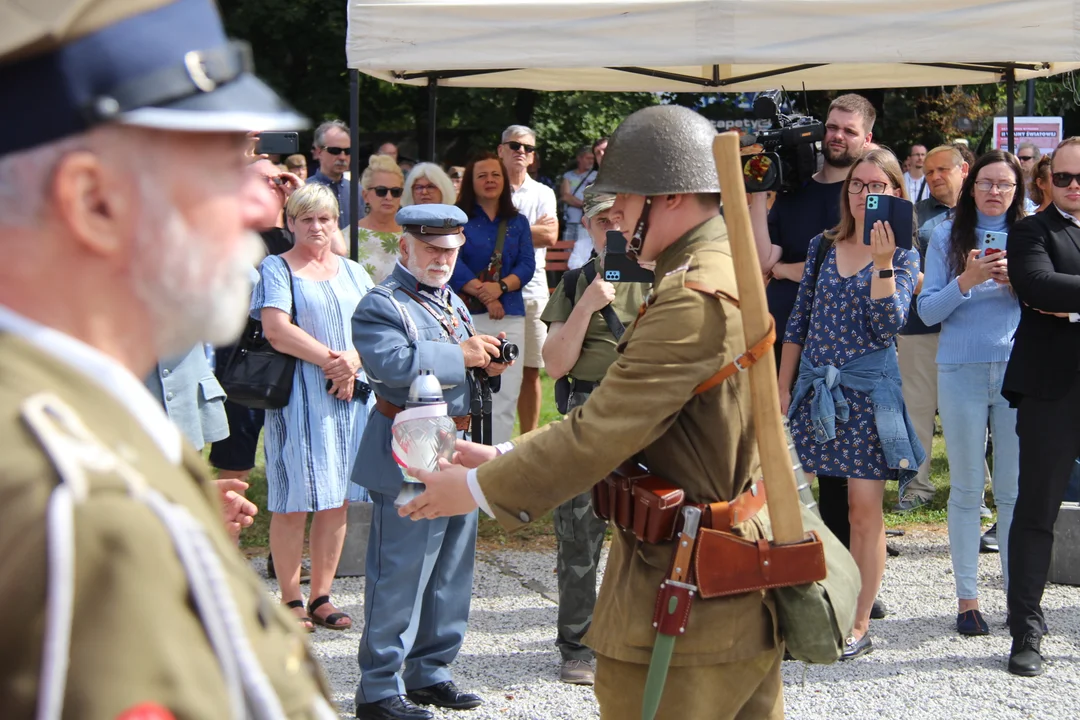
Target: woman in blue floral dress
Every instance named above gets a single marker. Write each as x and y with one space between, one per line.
847 412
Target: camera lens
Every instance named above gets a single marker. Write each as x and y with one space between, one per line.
508 352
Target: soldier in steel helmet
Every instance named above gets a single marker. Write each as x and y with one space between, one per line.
654 406
123 216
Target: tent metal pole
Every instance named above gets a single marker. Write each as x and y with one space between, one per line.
1010 105
1029 106
354 165
432 100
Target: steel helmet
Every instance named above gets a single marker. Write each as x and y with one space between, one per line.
660 150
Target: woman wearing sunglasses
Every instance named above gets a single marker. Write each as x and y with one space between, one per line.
495 262
966 289
382 186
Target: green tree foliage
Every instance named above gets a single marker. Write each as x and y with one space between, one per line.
299 49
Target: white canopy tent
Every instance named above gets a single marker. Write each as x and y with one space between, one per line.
711 45
706 45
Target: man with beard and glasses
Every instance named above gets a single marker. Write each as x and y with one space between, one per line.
783 233
419 575
332 150
125 228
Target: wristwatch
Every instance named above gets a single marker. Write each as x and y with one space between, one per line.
503 287
885 274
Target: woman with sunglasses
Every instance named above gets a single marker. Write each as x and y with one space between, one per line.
382 185
967 290
427 184
490 278
847 411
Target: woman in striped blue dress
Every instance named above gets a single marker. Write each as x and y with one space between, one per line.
311 443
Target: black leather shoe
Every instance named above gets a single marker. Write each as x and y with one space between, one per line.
856 648
988 543
1026 657
878 611
445 695
395 707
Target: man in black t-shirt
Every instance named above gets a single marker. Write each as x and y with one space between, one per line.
783 236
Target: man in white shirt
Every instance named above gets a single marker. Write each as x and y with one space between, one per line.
914 177
537 203
124 226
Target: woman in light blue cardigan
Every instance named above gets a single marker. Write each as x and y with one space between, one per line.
967 291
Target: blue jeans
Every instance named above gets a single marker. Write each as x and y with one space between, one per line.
968 396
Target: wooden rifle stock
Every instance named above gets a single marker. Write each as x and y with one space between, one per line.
776 467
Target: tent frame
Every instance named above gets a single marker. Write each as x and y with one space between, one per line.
1007 71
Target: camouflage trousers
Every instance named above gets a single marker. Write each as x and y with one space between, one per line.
580 536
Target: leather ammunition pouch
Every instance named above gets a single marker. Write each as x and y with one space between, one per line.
726 564
650 507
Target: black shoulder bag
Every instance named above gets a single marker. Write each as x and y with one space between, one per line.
256 375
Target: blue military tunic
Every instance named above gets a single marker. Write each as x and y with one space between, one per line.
410 639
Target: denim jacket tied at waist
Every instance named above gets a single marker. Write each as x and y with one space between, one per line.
878 375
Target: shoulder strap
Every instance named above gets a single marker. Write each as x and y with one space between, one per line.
569 281
406 318
822 251
496 257
292 292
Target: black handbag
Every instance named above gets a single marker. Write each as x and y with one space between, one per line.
256 375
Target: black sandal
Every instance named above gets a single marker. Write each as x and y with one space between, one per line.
305 622
333 620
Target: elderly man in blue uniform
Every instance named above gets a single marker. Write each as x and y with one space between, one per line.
419 577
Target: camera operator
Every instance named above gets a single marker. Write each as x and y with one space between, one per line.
415 617
586 317
783 234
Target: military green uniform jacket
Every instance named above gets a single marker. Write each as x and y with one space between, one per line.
598 345
705 443
136 637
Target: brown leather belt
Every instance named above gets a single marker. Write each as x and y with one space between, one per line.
391 410
650 507
725 515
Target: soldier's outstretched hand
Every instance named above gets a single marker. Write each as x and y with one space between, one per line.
447 493
473 455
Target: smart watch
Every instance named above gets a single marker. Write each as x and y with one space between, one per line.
503 287
885 274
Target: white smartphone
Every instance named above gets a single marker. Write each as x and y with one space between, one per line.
994 242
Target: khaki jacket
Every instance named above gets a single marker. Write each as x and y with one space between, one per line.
136 637
705 444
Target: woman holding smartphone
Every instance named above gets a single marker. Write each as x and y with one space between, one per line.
966 289
847 412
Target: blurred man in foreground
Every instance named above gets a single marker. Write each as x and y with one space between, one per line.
123 221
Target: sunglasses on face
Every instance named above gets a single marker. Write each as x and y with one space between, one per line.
1025 158
381 191
337 150
1064 179
515 146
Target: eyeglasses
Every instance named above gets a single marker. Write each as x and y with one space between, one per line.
337 150
419 188
272 181
876 188
515 146
1064 179
1002 187
1025 158
381 191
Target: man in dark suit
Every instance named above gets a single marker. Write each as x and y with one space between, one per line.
1042 383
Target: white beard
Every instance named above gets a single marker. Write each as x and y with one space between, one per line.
191 295
435 275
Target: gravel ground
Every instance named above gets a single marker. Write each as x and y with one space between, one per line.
920 667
